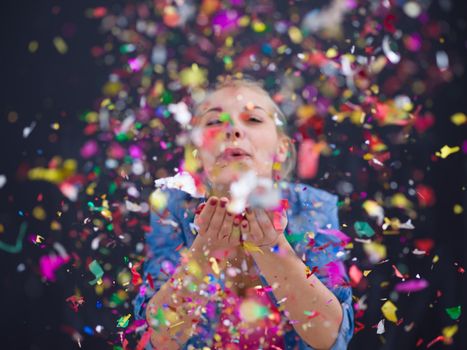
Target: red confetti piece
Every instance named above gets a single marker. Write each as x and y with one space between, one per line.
434 341
358 327
136 277
150 281
397 272
144 339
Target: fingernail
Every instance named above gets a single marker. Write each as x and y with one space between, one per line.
248 210
223 203
244 224
236 221
213 201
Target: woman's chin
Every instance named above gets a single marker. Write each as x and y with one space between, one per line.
233 172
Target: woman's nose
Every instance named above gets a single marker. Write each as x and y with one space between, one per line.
233 132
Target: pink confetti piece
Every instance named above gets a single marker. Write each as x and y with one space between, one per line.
411 286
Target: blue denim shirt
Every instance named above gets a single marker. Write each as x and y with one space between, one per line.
310 210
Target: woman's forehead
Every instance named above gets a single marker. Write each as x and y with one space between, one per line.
237 97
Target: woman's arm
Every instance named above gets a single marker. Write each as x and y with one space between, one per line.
179 302
286 274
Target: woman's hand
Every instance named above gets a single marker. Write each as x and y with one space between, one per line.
218 230
263 228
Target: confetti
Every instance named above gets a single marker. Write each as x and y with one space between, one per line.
98 272
389 311
454 312
363 229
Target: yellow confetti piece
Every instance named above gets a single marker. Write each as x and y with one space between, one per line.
244 21
123 321
373 208
389 311
435 259
229 41
331 52
447 151
60 45
158 200
399 200
375 251
258 26
366 272
276 166
192 164
458 209
449 331
193 76
33 46
39 213
459 118
295 35
251 247
106 213
214 265
195 269
55 225
112 88
177 324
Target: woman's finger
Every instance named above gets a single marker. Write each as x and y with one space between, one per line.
217 219
244 230
234 238
227 226
264 221
255 234
204 218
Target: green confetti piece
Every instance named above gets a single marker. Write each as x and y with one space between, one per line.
112 187
363 229
454 312
166 97
96 269
116 300
127 48
160 316
9 248
225 117
123 321
121 137
295 237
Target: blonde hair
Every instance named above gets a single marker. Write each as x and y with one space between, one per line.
239 80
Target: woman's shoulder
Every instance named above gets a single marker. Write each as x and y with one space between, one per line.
304 197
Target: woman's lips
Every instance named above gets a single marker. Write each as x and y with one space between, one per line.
230 157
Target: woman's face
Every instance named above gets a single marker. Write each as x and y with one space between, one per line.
236 133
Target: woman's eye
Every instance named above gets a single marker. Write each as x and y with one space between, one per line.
213 122
217 121
256 120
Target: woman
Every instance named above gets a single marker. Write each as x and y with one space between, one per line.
255 276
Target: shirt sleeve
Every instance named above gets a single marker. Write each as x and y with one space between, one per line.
161 255
324 257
